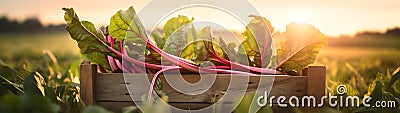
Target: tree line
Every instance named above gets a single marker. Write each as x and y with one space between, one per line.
28 25
389 33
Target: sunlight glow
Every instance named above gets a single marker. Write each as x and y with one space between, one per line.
332 17
300 17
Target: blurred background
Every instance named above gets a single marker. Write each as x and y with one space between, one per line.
364 35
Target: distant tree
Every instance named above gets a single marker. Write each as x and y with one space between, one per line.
365 34
52 27
7 25
395 32
29 25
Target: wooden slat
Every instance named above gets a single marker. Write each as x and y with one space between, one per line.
315 85
282 85
112 87
87 74
316 81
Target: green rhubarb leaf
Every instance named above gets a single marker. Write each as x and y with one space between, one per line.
230 53
302 45
196 51
190 52
87 37
84 33
160 41
202 49
126 26
214 46
210 45
175 23
153 57
258 44
178 33
121 22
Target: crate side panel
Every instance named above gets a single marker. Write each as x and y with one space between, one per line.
112 87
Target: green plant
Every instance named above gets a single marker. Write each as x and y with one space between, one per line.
51 87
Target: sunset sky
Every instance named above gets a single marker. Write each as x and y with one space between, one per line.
332 17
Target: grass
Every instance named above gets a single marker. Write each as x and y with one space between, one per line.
343 68
347 61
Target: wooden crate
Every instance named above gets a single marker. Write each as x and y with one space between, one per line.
109 89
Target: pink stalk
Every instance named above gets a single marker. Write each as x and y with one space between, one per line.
149 72
139 69
264 50
111 60
189 66
241 66
219 67
112 63
245 67
224 71
126 57
125 69
153 81
118 63
183 63
132 70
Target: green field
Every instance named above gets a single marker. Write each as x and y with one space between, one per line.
354 62
358 66
346 59
17 49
